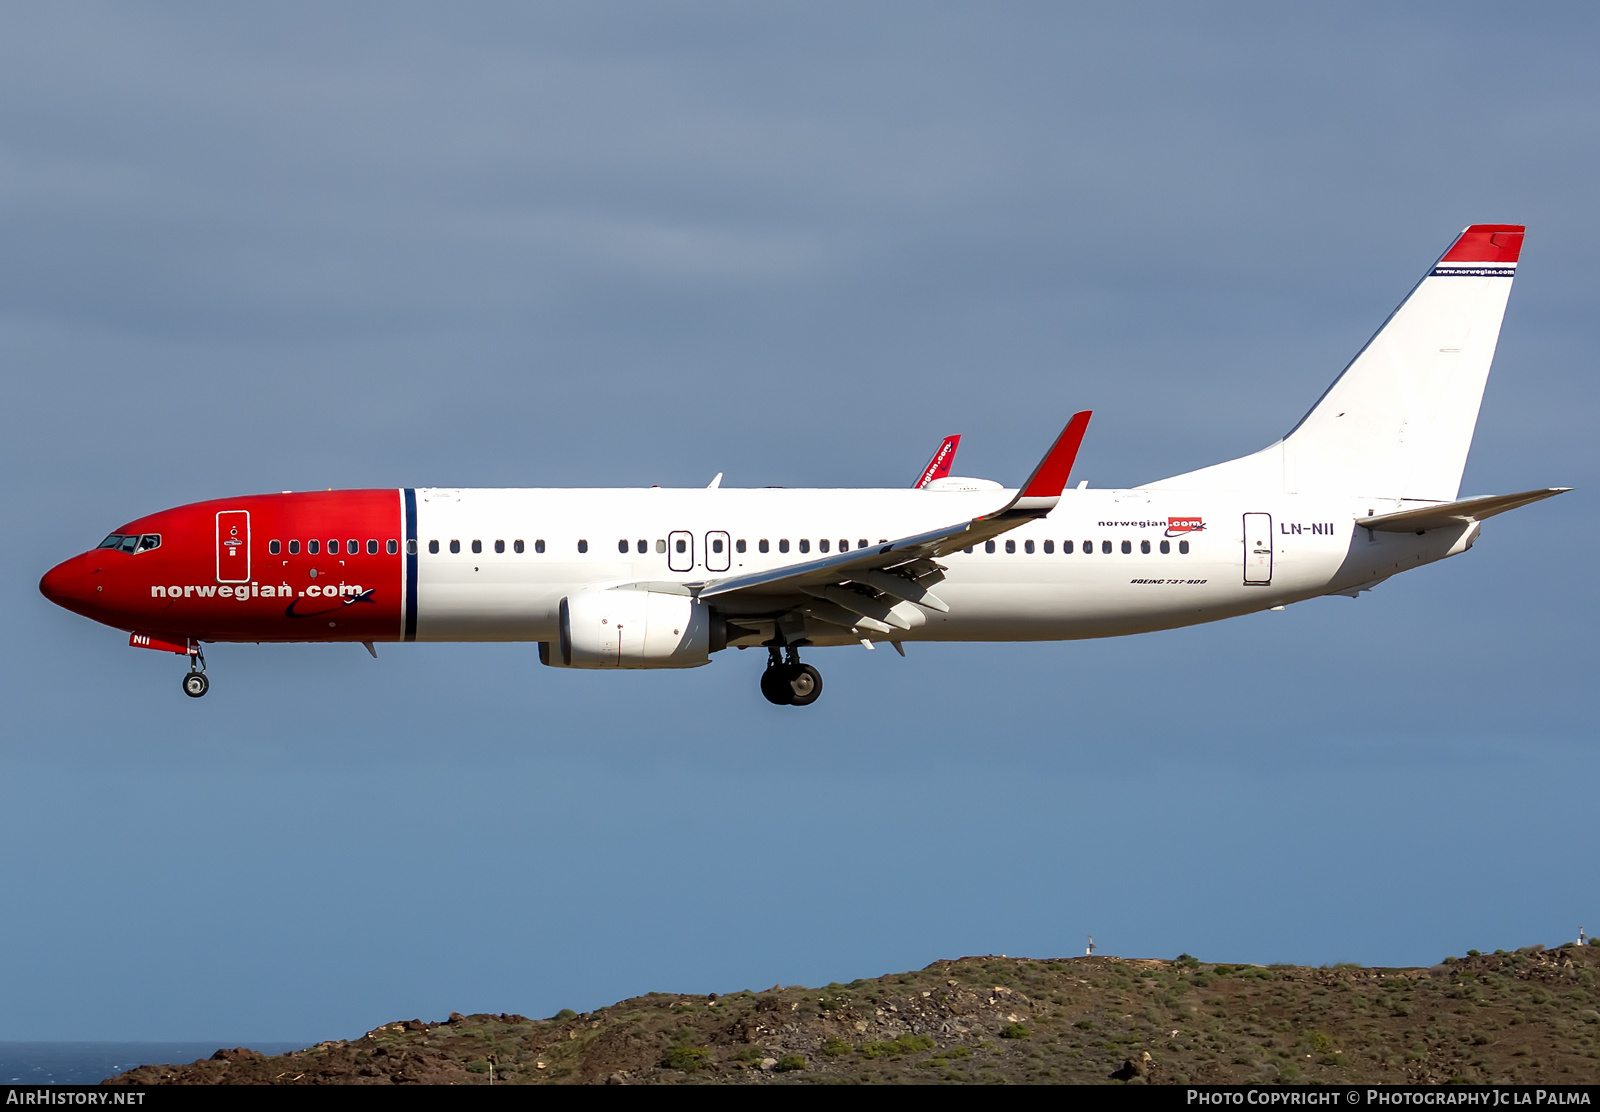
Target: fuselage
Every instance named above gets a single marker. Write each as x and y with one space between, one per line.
653 578
438 564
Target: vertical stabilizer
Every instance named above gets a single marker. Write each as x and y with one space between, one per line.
1398 422
939 466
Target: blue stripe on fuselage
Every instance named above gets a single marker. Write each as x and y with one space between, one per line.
411 564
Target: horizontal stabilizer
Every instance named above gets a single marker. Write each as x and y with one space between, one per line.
1455 513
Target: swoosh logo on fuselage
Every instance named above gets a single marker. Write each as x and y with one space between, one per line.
364 596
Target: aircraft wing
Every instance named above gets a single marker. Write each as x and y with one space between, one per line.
860 589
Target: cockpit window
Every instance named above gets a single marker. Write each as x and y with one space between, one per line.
132 542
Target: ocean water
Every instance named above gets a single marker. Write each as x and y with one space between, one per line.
87 1063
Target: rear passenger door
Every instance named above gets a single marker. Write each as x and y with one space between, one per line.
1257 550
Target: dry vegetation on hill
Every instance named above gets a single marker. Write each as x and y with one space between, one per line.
1529 1016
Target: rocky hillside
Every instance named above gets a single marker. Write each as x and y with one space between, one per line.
1506 1017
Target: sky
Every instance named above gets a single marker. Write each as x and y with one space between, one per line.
334 245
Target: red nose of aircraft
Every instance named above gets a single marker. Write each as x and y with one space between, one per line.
72 584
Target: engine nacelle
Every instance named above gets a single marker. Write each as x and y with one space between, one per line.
626 628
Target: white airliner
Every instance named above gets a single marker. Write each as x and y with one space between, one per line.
1364 486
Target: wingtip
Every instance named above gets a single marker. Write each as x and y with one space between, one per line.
1049 479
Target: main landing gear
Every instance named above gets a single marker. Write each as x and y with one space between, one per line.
195 683
787 682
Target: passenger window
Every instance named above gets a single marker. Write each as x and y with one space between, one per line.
538 546
1144 546
988 546
862 543
433 547
739 546
393 547
411 546
844 544
716 545
763 545
805 545
294 548
1066 547
643 547
517 547
313 547
1088 547
822 545
968 551
1183 547
622 547
661 546
477 546
333 548
499 546
583 546
1166 547
1011 547
1105 547
354 547
372 548
783 544
455 546
1127 548
681 545
1027 546
272 547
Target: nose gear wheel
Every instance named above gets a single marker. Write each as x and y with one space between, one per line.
195 683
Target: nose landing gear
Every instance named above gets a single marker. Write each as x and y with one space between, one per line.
787 682
195 683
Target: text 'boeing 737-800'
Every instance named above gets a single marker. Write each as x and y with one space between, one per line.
1365 486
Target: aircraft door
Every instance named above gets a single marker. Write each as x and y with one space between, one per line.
717 556
1257 550
680 550
233 546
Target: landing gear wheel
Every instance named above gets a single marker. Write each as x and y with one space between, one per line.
775 685
195 684
805 684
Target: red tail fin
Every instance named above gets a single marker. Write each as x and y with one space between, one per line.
939 466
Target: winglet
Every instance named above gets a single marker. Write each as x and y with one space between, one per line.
939 466
1043 488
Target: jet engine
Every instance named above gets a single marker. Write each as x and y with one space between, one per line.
628 628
